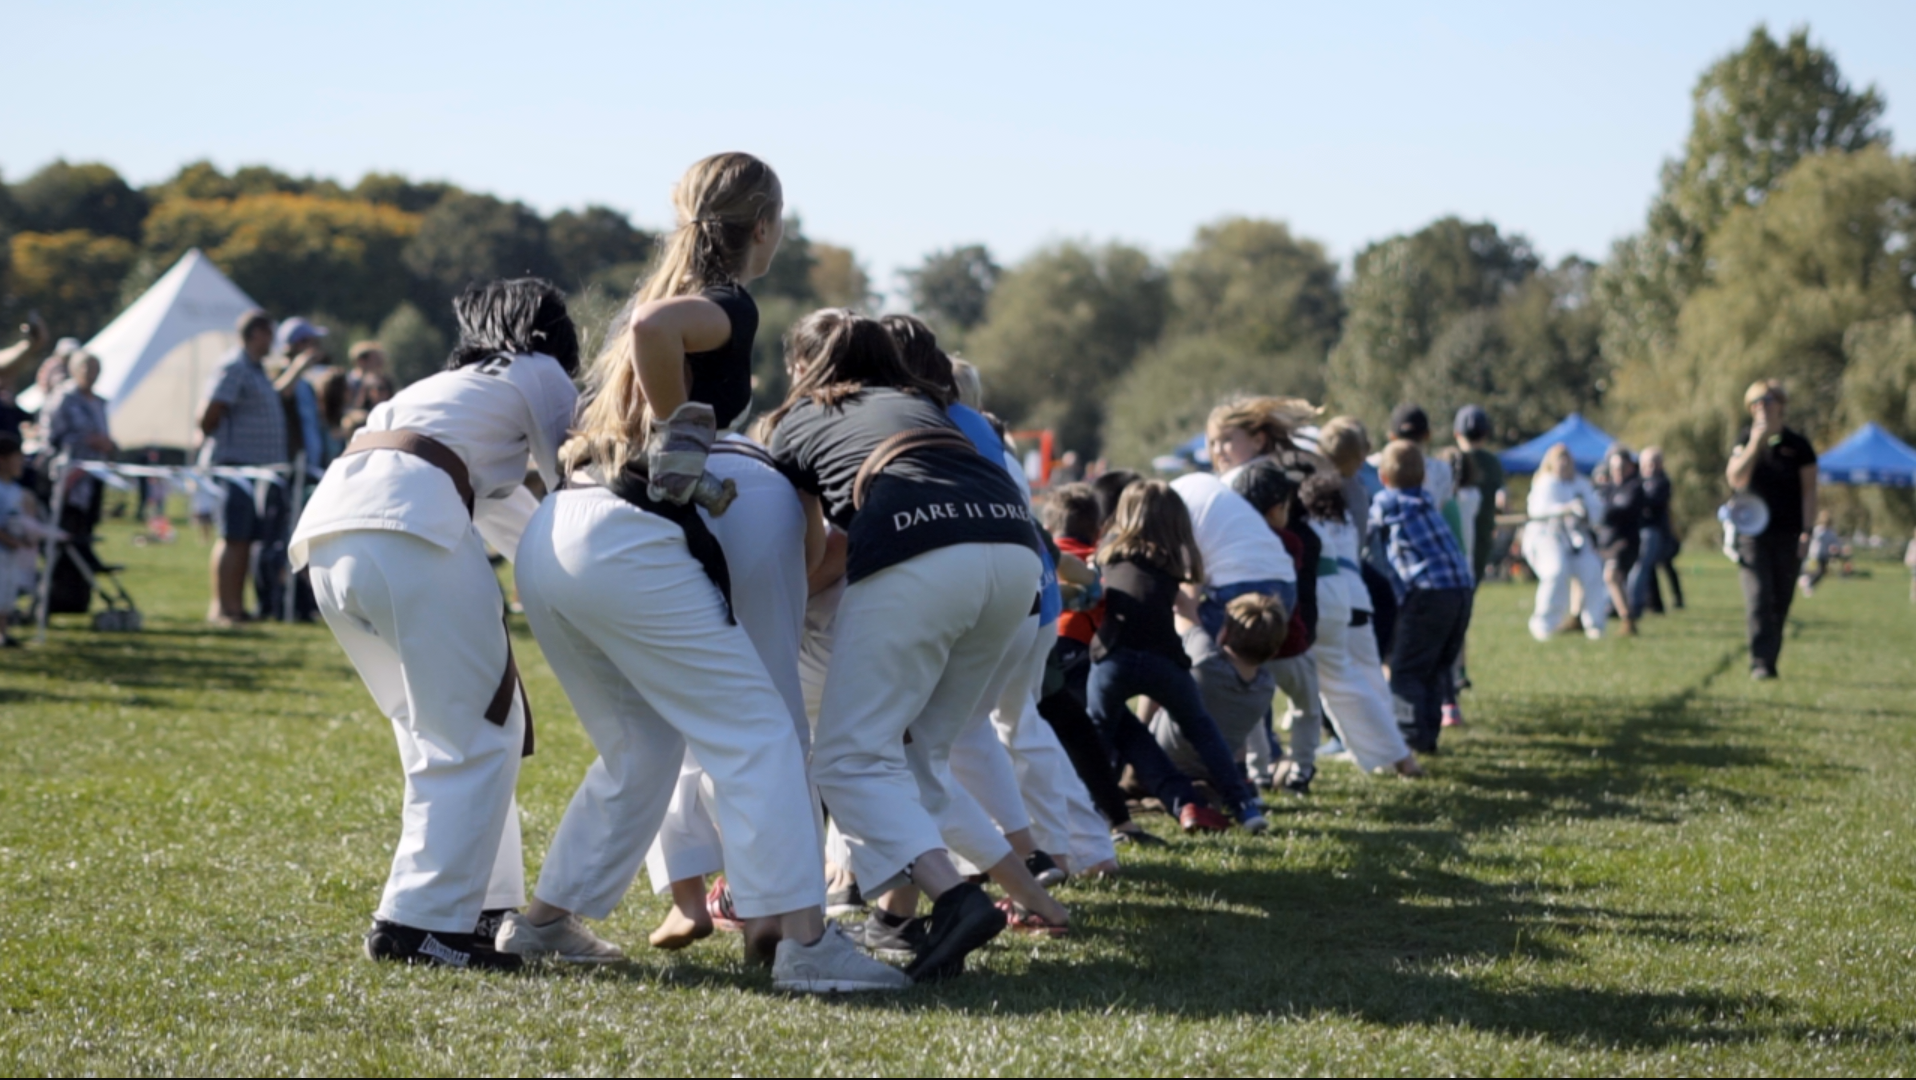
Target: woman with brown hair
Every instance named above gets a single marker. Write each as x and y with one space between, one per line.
943 569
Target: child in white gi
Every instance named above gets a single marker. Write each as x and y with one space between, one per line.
395 536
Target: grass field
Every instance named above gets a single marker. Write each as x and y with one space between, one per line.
1633 861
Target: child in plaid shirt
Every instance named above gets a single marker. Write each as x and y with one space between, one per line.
1435 610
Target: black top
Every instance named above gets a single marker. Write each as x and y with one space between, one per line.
1777 479
1139 607
1622 522
924 500
722 377
1656 502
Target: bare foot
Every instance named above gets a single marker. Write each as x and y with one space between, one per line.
1409 769
679 931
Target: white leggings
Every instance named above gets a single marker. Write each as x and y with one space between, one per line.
425 627
637 635
1357 700
913 654
1556 564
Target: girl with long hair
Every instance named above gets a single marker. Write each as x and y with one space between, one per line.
1149 553
942 570
395 538
629 595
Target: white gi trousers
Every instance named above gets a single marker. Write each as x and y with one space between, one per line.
915 648
637 635
1063 819
763 536
1556 563
425 627
1357 700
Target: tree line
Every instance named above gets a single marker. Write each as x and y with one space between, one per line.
1779 243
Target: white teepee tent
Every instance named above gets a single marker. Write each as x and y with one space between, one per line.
157 359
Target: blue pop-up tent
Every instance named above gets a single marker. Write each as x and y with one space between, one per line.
1870 456
1587 442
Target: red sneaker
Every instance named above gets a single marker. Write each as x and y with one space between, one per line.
718 904
1195 818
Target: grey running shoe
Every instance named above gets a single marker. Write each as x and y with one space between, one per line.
846 901
893 941
568 939
832 965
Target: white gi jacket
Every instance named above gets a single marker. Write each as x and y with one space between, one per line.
497 415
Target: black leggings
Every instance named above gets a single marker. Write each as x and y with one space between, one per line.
1065 711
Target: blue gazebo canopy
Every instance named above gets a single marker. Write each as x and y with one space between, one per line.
1870 456
1587 442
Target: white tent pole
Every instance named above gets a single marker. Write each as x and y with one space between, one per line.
50 547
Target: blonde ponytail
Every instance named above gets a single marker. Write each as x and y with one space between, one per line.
720 202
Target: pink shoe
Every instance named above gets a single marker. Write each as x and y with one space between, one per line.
718 904
1453 716
1029 922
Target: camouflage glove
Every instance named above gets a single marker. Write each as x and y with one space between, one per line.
675 453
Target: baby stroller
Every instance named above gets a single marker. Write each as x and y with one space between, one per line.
77 575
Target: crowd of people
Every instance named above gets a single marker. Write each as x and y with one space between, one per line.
842 671
836 661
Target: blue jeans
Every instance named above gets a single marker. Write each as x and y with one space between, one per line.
1211 608
1656 549
1127 673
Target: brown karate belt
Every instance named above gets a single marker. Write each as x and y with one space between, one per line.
440 456
897 446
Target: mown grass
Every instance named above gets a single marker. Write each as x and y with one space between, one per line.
1634 861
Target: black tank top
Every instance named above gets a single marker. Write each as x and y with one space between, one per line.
722 377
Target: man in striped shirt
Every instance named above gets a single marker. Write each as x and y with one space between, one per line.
244 424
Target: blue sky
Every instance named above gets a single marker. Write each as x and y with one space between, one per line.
900 129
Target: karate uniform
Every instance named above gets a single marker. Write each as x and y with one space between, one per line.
1561 549
1350 674
400 573
763 536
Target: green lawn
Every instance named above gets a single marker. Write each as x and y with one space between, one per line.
1633 861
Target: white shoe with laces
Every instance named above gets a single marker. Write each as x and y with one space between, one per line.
832 965
568 940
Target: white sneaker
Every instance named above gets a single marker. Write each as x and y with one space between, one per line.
832 965
567 939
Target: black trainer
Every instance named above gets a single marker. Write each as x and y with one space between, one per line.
962 920
888 937
1297 779
1045 869
487 929
411 945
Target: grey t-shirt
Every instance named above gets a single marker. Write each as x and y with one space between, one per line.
1238 705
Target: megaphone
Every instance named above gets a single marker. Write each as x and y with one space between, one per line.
1746 513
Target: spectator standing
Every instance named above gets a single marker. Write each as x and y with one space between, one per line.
1775 463
367 384
1619 533
1472 428
1656 538
15 361
1909 560
302 349
244 424
76 426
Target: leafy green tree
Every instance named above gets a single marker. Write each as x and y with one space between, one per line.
1757 112
294 253
466 238
392 189
1405 292
952 288
87 197
1061 329
1166 396
1252 283
838 280
598 246
72 278
1253 310
415 348
1798 286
